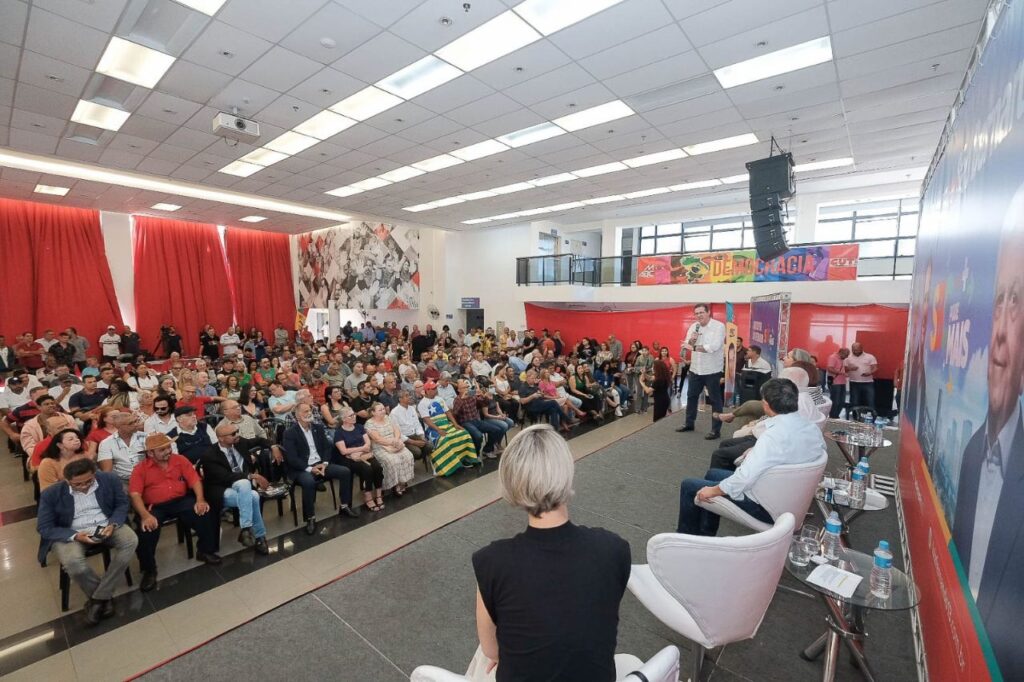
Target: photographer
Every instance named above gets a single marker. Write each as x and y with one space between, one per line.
170 341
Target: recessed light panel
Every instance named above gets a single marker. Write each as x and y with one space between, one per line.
822 165
369 183
450 201
346 191
514 187
419 77
417 208
133 63
263 157
541 131
719 145
50 189
403 173
600 170
435 163
475 221
99 115
640 194
366 103
733 179
500 36
552 179
252 219
207 7
324 125
548 16
291 143
700 184
479 150
166 207
604 200
657 157
473 196
564 207
817 51
241 169
593 116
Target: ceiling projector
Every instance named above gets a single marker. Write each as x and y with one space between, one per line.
235 127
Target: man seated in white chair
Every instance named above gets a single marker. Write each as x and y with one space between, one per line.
788 438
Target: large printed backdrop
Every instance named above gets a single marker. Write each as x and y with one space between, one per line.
962 451
366 267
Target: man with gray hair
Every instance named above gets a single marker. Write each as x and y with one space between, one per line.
445 390
248 427
404 413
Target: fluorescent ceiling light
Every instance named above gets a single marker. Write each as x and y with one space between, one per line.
473 196
366 103
399 174
324 125
99 115
514 187
505 216
370 183
50 189
241 169
252 219
417 208
476 221
817 51
565 206
600 170
500 36
291 143
166 207
263 157
346 191
732 179
208 7
656 157
128 61
647 192
435 163
541 131
552 179
822 165
548 16
604 200
534 211
719 145
593 116
450 201
700 184
418 77
480 150
149 183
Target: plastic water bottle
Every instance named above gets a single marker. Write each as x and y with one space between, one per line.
830 545
881 572
857 493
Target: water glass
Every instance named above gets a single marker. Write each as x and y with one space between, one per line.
800 552
810 531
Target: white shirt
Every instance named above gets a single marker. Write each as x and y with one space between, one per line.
861 364
10 400
990 485
759 365
5 355
805 408
481 368
408 421
46 344
787 439
88 514
447 395
124 455
711 338
155 424
230 343
66 403
314 456
143 383
110 343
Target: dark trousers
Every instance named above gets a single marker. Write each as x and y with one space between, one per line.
478 428
837 393
548 408
370 473
307 481
205 526
731 448
509 407
694 520
661 403
697 383
862 394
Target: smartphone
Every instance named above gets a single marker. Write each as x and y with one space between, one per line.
98 533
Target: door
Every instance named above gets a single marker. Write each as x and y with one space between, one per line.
474 318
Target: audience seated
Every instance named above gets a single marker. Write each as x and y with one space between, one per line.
65 447
452 447
465 413
231 478
191 438
356 452
126 448
388 446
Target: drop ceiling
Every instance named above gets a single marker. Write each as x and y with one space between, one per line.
882 100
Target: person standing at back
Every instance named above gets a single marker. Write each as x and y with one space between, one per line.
860 369
706 342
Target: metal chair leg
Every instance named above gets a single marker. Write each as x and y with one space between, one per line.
698 663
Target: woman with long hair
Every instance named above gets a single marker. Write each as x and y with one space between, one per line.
662 382
142 378
102 428
65 446
333 406
122 395
232 387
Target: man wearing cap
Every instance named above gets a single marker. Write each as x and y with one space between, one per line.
122 451
191 438
230 479
166 486
110 344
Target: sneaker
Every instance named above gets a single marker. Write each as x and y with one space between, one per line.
491 455
618 411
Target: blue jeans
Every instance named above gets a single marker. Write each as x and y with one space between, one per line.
694 520
241 496
624 395
478 428
548 408
505 423
862 394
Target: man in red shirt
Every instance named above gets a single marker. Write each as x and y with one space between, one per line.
166 486
198 402
29 353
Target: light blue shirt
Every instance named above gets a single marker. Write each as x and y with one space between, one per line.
787 439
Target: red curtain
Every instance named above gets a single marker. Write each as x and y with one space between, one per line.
181 279
55 273
261 278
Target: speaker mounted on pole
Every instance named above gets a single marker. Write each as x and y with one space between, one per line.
772 182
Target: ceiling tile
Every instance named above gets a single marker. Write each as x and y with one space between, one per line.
784 85
909 51
13 17
285 112
380 13
454 94
422 25
687 8
580 99
776 35
280 69
78 151
522 65
568 77
243 49
168 108
268 19
658 75
148 128
51 74
193 82
326 87
169 152
897 29
729 18
619 23
247 97
484 109
98 15
646 49
429 131
64 39
157 166
44 102
334 23
36 122
378 58
26 141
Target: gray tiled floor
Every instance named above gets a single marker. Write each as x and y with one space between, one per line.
416 606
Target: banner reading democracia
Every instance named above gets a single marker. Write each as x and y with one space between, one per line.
829 262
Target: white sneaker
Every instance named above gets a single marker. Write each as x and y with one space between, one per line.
618 411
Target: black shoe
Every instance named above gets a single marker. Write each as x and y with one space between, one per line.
261 546
321 486
310 525
108 609
212 558
93 611
712 436
349 512
684 428
246 537
148 581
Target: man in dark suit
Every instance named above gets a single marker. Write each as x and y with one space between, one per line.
307 452
87 509
7 358
230 480
988 528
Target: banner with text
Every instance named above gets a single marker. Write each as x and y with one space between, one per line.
829 262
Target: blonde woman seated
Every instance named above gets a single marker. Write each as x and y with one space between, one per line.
389 449
547 604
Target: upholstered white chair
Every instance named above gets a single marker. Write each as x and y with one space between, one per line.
786 488
663 667
826 408
712 590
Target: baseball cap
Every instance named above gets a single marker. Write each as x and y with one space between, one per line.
184 409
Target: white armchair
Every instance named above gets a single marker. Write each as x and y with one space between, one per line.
712 590
826 408
787 488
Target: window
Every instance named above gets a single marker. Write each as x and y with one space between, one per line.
716 234
885 229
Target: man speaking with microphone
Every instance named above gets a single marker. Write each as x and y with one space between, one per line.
705 340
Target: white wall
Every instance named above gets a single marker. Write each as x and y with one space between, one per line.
483 264
117 241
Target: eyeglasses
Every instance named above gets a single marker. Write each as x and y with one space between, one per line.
82 485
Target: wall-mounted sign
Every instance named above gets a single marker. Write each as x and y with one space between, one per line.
470 303
800 264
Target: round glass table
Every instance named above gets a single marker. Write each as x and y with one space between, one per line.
846 614
854 439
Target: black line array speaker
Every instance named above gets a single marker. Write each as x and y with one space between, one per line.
771 183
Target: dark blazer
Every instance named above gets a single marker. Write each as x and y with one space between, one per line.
57 510
217 473
11 363
296 449
1001 592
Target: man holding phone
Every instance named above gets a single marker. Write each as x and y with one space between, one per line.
86 510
